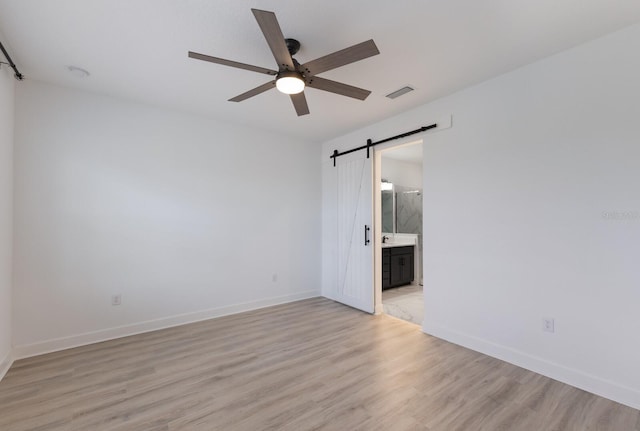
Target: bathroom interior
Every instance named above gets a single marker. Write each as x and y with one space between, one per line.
401 207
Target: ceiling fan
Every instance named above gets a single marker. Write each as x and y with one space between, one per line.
292 77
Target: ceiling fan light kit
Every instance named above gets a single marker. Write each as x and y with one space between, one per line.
289 82
292 77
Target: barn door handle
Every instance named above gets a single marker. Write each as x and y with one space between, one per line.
366 235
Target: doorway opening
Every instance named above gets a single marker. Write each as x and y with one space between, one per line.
398 180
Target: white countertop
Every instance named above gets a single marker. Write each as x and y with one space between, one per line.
397 244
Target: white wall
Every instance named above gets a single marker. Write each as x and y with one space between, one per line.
402 173
6 213
185 217
514 201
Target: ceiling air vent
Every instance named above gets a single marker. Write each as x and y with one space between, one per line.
400 92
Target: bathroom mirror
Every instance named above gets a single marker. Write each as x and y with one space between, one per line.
401 209
388 213
388 207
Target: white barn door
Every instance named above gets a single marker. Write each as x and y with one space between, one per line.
348 231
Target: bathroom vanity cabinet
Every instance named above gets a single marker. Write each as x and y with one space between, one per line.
397 266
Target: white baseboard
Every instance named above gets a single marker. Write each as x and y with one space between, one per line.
5 364
604 388
28 350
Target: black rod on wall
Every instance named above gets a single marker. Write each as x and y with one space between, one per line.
18 75
370 144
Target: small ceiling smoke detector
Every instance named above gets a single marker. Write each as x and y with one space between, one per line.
78 72
400 92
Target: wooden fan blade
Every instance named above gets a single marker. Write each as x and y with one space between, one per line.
300 103
254 92
340 58
337 88
273 34
224 62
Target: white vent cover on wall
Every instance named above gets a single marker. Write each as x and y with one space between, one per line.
400 92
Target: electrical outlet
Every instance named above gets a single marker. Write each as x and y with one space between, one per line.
548 325
116 299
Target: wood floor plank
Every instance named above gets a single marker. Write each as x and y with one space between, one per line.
309 365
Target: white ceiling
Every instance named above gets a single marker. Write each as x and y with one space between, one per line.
137 49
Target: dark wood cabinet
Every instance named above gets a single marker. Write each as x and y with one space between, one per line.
397 266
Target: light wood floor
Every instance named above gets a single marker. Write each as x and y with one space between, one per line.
310 365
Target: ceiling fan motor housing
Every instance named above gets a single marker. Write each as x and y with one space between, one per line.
289 74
